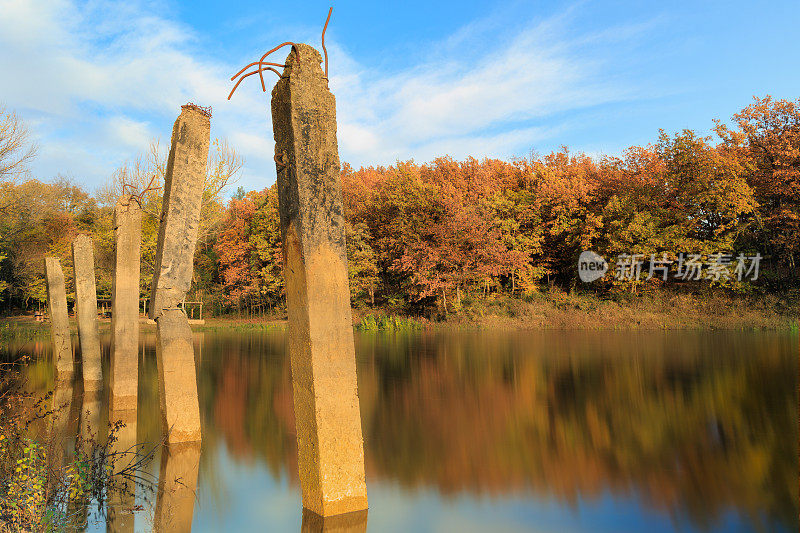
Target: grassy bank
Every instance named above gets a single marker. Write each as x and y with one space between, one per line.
661 310
545 310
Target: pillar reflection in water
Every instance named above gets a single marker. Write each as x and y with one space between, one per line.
88 434
90 428
122 492
355 522
62 409
177 487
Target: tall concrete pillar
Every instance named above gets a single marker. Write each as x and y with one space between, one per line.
124 378
177 488
180 209
177 236
329 440
59 319
86 312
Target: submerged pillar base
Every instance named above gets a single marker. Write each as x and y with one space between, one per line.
177 379
121 504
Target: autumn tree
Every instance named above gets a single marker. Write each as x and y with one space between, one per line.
765 136
234 251
267 246
565 186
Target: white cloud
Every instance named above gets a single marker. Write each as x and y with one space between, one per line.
98 81
128 132
475 100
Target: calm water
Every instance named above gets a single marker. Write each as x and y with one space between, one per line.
534 431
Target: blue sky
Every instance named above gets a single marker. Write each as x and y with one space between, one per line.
97 81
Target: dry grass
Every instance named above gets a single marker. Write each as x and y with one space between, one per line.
556 309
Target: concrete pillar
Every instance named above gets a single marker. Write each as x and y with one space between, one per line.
355 522
177 236
329 441
180 210
86 312
124 379
177 488
59 320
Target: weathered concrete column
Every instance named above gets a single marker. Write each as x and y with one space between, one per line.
86 312
124 378
177 236
180 210
177 487
329 441
59 319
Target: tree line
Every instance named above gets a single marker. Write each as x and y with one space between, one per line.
428 238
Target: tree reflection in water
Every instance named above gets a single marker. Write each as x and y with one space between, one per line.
694 425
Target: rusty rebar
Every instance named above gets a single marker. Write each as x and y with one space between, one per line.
281 162
259 71
139 197
325 50
261 63
296 51
261 68
204 110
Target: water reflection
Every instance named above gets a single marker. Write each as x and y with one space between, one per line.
121 504
91 429
692 431
65 410
355 522
177 487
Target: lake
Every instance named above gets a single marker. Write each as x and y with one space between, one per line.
502 431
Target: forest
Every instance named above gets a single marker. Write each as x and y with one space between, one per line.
427 239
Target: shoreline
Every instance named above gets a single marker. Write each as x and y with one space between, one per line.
543 311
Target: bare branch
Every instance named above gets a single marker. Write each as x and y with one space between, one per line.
16 148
